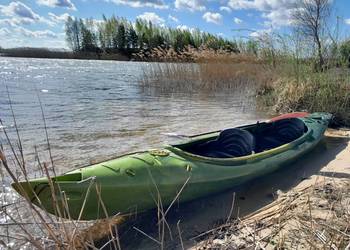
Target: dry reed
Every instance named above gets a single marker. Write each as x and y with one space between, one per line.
206 71
313 217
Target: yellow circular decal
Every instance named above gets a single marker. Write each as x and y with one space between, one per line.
159 152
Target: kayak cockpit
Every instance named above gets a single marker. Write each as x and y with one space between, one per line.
243 141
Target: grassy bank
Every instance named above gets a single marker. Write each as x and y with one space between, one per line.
313 92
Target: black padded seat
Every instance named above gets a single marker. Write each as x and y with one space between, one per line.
278 133
289 129
230 143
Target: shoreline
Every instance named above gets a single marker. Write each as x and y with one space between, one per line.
71 56
95 58
314 209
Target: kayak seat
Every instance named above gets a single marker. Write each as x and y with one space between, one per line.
230 143
278 133
289 129
237 142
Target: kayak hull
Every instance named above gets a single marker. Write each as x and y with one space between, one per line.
156 178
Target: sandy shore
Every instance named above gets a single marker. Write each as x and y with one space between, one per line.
314 214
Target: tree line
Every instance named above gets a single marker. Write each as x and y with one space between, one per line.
116 34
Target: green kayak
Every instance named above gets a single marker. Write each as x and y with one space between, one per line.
201 165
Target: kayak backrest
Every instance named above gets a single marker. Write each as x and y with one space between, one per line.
236 142
289 129
275 134
230 143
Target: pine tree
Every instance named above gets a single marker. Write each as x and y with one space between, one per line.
121 37
132 38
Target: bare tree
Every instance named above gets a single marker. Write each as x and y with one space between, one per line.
73 33
310 18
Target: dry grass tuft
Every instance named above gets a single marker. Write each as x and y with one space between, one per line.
98 230
313 217
328 92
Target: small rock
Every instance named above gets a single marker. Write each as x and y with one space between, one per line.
218 242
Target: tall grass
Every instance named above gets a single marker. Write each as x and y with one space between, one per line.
327 91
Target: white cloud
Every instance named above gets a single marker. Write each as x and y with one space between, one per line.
242 4
276 12
15 21
20 36
225 8
152 17
191 5
19 13
172 18
37 33
58 18
261 33
211 17
4 22
347 21
57 3
157 4
183 27
4 31
8 42
277 18
236 20
20 10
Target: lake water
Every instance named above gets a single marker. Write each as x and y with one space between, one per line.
97 109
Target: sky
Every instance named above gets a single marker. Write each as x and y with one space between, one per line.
40 23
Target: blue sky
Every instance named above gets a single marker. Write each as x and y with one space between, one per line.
40 23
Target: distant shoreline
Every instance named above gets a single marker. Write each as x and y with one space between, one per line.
52 54
139 55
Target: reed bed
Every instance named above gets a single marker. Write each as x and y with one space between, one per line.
282 83
205 71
